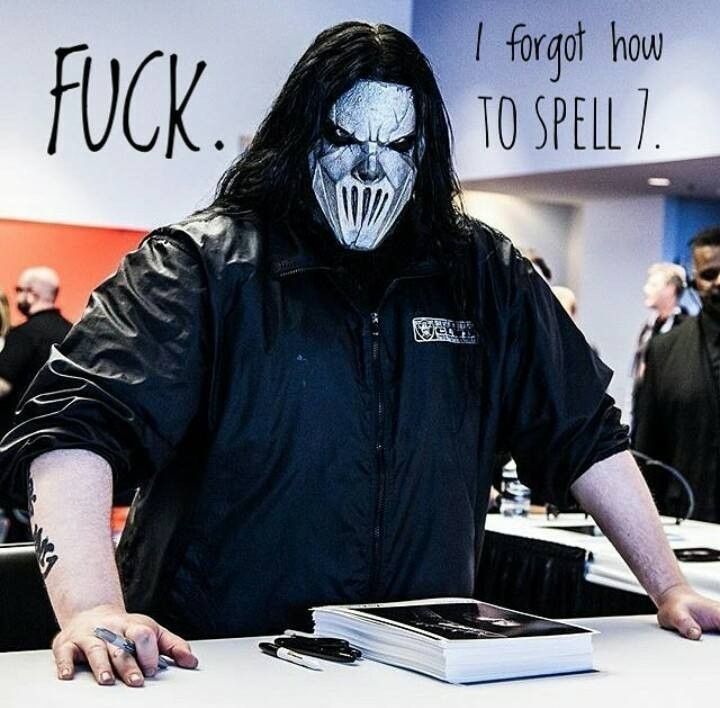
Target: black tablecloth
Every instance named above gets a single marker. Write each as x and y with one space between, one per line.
547 579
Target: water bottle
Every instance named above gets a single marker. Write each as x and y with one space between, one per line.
514 495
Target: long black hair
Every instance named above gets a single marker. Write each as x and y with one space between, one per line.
272 177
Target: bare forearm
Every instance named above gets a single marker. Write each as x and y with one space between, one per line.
70 494
614 492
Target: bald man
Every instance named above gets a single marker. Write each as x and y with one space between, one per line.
27 346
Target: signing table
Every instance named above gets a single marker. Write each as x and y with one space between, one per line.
636 664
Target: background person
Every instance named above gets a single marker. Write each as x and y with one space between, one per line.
567 299
663 289
678 416
665 285
27 346
538 262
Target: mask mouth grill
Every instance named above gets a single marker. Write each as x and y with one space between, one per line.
382 205
345 202
365 204
354 204
360 213
376 201
364 213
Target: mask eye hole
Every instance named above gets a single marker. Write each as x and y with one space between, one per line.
709 274
404 144
335 135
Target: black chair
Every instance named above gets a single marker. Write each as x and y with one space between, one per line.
26 616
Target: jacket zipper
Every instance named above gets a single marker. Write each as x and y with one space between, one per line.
376 559
376 562
379 455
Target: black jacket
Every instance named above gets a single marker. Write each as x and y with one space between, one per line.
678 420
292 451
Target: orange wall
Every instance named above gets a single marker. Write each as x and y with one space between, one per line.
83 256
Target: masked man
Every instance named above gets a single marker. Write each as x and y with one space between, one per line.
296 439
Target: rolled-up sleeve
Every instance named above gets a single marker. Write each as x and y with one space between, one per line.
129 378
557 416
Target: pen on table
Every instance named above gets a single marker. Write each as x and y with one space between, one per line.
127 645
288 655
300 641
321 648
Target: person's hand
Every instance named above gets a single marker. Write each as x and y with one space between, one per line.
688 612
77 643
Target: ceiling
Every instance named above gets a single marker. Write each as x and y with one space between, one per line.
699 179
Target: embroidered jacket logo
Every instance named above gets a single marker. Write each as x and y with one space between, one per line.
436 329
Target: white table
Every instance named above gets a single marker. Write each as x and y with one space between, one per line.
636 664
605 566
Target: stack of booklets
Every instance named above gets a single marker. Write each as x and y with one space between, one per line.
459 640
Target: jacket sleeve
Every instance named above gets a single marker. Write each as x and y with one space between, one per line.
557 418
129 377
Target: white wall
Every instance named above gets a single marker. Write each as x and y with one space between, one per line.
544 227
612 243
684 88
249 47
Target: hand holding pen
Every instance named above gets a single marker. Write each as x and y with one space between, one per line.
78 641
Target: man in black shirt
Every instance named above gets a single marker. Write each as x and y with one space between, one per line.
27 346
309 382
678 413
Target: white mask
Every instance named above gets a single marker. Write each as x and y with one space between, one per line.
363 167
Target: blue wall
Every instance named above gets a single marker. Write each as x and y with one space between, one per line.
683 219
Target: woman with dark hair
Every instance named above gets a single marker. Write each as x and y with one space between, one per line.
284 377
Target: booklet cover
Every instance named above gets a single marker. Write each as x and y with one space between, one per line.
466 619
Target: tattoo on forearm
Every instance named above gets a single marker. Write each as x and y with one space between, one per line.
44 550
32 497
